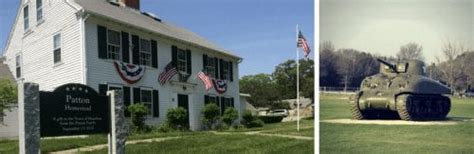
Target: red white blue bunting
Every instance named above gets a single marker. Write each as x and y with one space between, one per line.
220 86
129 72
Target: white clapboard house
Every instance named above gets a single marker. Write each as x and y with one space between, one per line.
109 44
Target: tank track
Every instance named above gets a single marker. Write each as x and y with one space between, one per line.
423 107
369 114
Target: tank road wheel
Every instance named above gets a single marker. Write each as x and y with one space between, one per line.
402 108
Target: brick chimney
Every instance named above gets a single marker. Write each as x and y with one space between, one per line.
131 3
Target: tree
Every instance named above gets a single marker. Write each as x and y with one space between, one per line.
285 78
353 66
451 70
410 51
328 76
8 94
261 87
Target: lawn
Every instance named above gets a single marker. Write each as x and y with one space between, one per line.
195 142
359 138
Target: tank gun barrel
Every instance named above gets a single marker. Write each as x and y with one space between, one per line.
391 66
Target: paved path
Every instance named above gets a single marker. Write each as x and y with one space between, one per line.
102 146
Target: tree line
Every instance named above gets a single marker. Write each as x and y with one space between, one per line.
347 67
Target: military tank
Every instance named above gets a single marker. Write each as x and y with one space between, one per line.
401 91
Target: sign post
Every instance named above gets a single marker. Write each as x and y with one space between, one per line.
119 129
29 121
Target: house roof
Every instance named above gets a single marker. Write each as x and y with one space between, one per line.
135 18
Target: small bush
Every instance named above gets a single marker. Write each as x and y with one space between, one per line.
250 121
230 115
138 112
211 115
164 127
177 118
271 119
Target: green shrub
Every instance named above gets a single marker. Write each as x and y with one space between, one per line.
250 121
138 113
177 118
8 94
164 127
230 115
271 119
211 115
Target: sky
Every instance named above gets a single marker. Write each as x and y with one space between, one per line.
382 26
262 32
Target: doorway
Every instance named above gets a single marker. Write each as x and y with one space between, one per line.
183 101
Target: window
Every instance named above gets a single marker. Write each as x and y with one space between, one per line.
57 48
18 66
26 21
211 99
39 10
145 52
112 87
226 103
113 45
211 67
146 99
225 70
182 60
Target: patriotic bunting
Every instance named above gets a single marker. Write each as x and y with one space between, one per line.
129 72
220 86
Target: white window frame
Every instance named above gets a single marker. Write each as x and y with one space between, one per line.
57 47
182 63
26 18
39 11
150 110
226 70
117 47
145 56
211 69
18 65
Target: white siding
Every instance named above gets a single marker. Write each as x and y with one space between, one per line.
100 71
36 47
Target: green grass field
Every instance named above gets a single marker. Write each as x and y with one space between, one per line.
196 142
360 138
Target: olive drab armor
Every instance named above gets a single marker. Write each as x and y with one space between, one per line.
401 91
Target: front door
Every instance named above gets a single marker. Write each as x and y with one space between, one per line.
183 101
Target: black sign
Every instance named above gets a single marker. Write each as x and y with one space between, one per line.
73 109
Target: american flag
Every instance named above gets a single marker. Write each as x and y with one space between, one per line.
170 71
206 80
303 43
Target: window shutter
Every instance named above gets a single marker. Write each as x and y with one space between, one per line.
102 41
126 99
188 63
103 89
125 48
231 70
221 68
156 107
154 54
135 49
222 105
204 62
206 99
216 65
136 95
174 55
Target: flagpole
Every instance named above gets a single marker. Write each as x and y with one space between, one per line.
297 83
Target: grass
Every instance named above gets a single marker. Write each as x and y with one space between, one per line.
358 138
198 142
232 143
